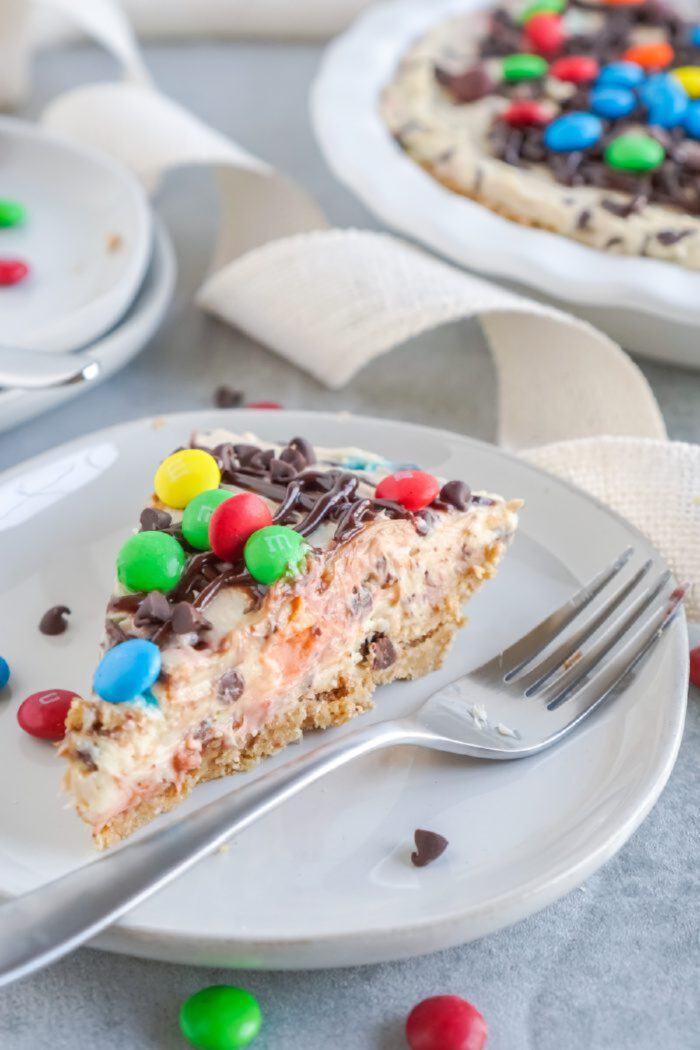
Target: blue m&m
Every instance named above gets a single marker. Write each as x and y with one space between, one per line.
665 99
127 671
4 672
620 74
692 120
573 131
612 102
695 36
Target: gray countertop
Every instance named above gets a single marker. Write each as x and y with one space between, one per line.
612 966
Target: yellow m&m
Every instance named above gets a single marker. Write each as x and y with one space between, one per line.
689 79
184 475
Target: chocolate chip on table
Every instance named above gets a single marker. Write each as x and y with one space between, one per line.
154 520
54 620
429 846
231 686
382 652
228 397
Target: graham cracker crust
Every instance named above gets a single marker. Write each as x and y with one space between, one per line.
352 696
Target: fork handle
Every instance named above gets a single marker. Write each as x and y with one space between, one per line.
40 927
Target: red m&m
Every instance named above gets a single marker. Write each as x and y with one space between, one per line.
413 489
234 522
445 1022
12 271
44 714
545 34
695 666
525 113
576 69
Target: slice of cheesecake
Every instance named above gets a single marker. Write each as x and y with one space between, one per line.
244 666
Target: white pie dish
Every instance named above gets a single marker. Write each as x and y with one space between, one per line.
326 881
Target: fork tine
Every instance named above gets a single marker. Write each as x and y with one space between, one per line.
570 682
612 674
528 648
568 649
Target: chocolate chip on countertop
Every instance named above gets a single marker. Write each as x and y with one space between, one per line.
154 520
54 620
231 686
228 397
429 846
382 652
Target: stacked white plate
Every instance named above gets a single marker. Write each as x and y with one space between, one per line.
101 268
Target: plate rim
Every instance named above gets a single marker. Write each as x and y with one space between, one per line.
354 946
50 139
360 152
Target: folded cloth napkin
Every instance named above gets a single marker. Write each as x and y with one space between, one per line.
330 300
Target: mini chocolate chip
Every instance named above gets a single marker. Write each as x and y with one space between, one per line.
583 222
469 86
456 493
115 634
281 471
154 520
228 397
669 237
54 620
429 846
186 619
305 448
382 652
87 760
155 608
231 686
612 242
360 600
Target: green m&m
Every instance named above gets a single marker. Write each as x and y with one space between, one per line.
12 213
523 67
197 515
151 561
273 552
541 7
220 1018
636 153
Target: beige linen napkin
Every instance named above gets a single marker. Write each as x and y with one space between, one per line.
331 300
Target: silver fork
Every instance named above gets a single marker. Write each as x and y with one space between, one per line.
524 700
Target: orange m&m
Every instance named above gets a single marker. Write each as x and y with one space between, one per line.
651 56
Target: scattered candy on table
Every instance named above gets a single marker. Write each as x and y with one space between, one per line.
575 69
573 131
4 672
44 714
184 475
523 67
695 666
274 552
635 153
54 620
12 213
234 522
151 561
220 1018
445 1022
128 670
413 489
228 397
198 514
12 271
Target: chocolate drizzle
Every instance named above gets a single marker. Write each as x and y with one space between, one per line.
307 498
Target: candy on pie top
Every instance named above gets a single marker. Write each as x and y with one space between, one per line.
240 620
558 85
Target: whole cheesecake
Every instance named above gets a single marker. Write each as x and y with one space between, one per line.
577 116
268 591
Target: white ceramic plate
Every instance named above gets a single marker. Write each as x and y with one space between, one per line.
87 239
363 155
113 350
327 880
